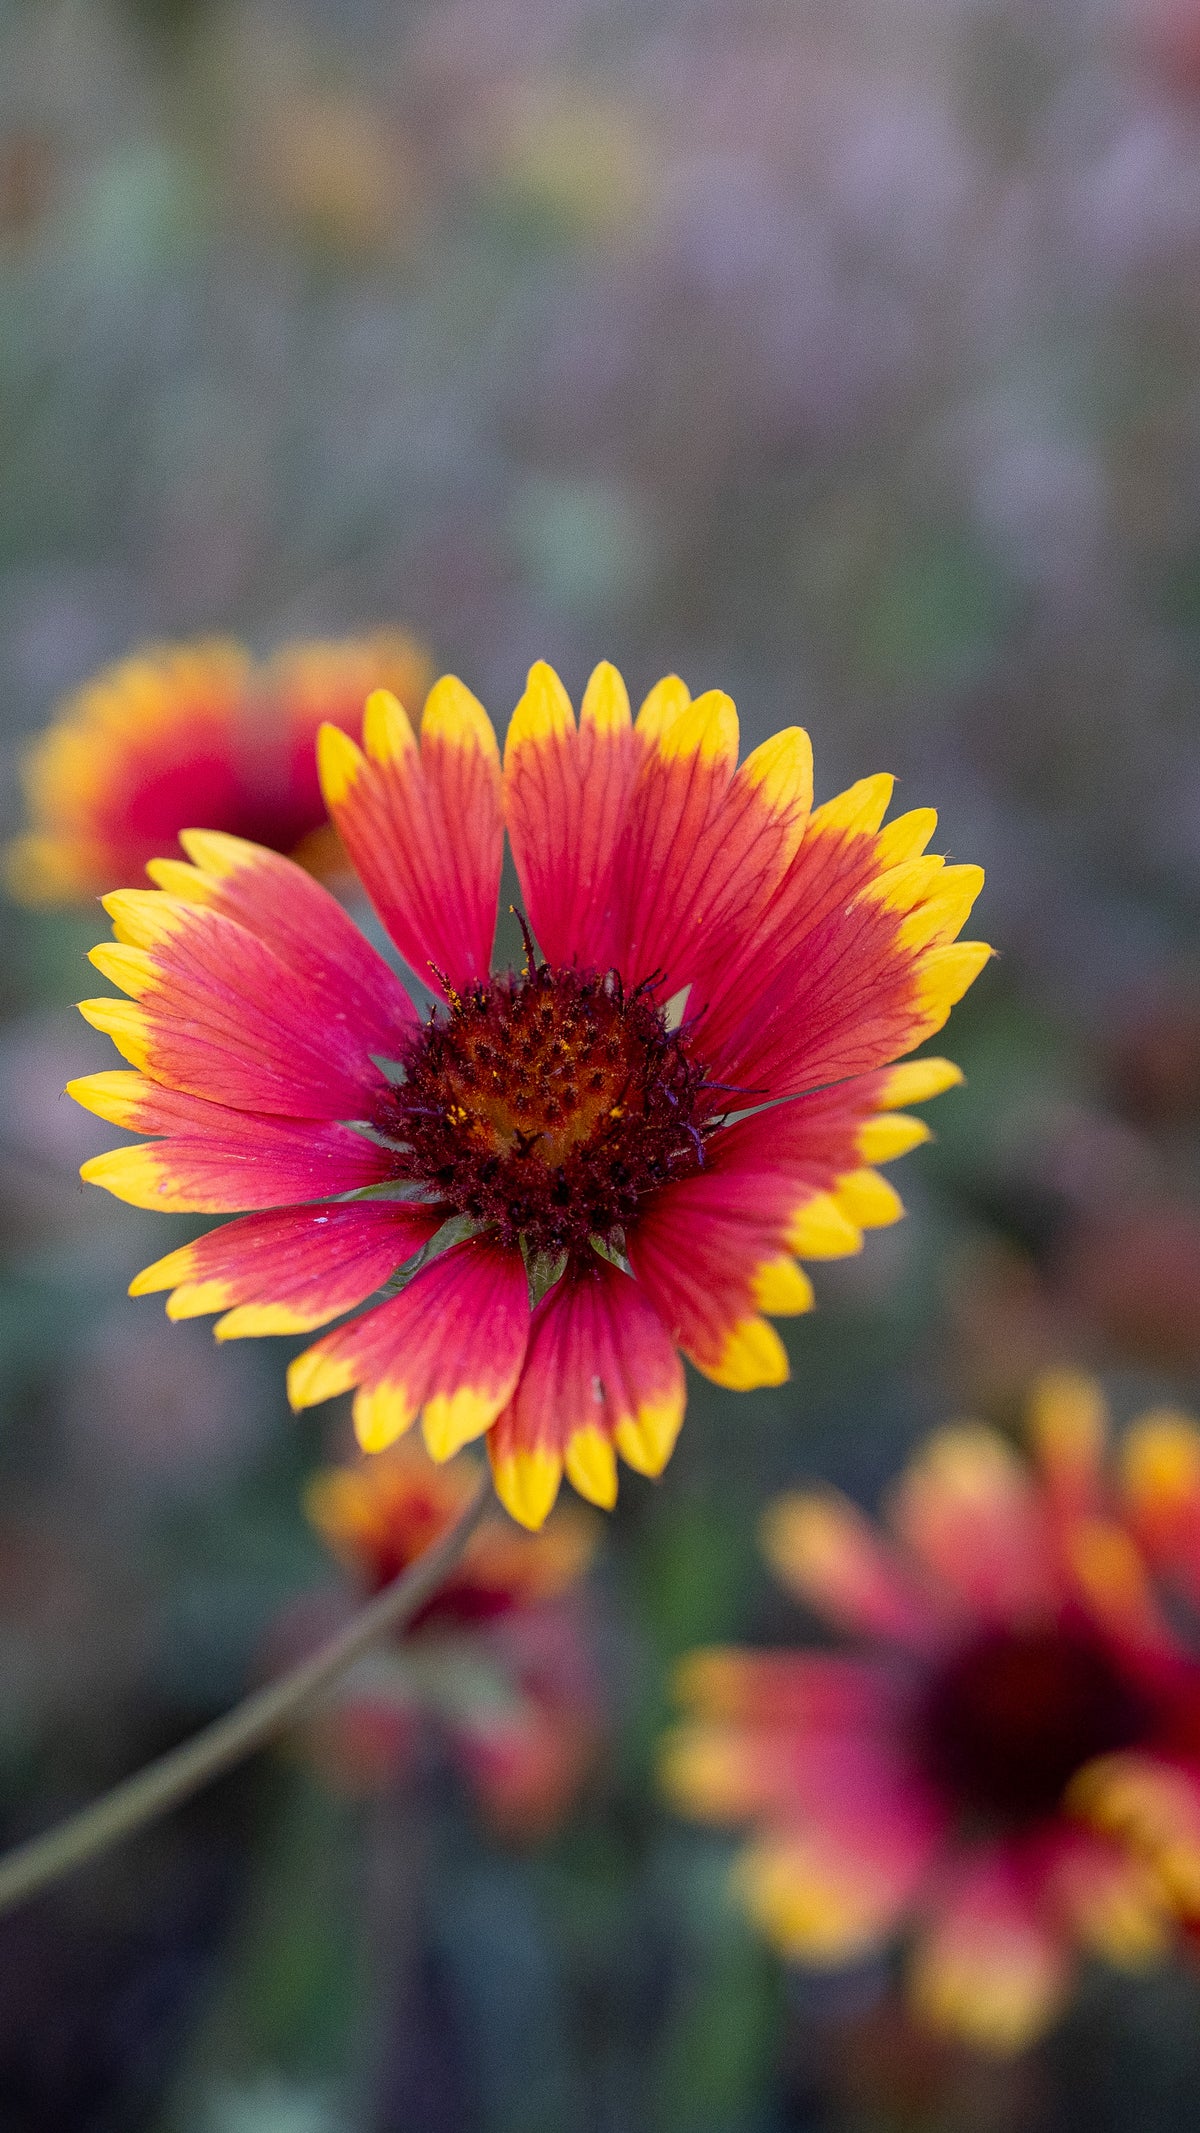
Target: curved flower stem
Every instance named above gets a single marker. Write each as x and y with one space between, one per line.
257 1719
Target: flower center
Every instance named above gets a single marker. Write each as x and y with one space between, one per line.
1011 1718
546 1105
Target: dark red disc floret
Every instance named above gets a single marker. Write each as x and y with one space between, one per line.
1008 1721
547 1104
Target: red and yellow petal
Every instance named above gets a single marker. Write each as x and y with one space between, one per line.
828 1895
1150 1803
421 819
725 1774
291 1269
991 1966
215 1014
293 915
854 961
1110 1902
566 792
212 1160
807 1763
716 1251
807 919
818 1689
601 1376
969 1508
644 845
449 1348
1160 1489
704 1268
704 844
303 686
823 1548
1068 1430
914 1081
1112 1579
808 1165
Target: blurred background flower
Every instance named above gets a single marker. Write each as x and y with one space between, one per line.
195 737
1020 1684
846 357
495 1665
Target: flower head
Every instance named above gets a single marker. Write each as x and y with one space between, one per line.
193 733
573 1170
1011 1763
494 1667
378 1516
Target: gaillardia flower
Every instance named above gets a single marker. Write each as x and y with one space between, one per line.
493 1671
194 733
381 1514
1011 1768
577 1168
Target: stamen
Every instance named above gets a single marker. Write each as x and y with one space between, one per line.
527 937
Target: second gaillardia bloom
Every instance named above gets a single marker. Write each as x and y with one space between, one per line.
576 1169
1005 1765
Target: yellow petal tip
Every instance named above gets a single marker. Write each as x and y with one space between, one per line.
914 1081
382 1413
782 1289
453 718
753 1355
591 1465
822 1229
527 1483
646 1440
339 764
451 1420
388 736
868 1200
314 1377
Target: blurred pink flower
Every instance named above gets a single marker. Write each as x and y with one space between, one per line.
1014 1755
495 1666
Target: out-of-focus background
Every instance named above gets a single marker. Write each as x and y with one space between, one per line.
846 356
